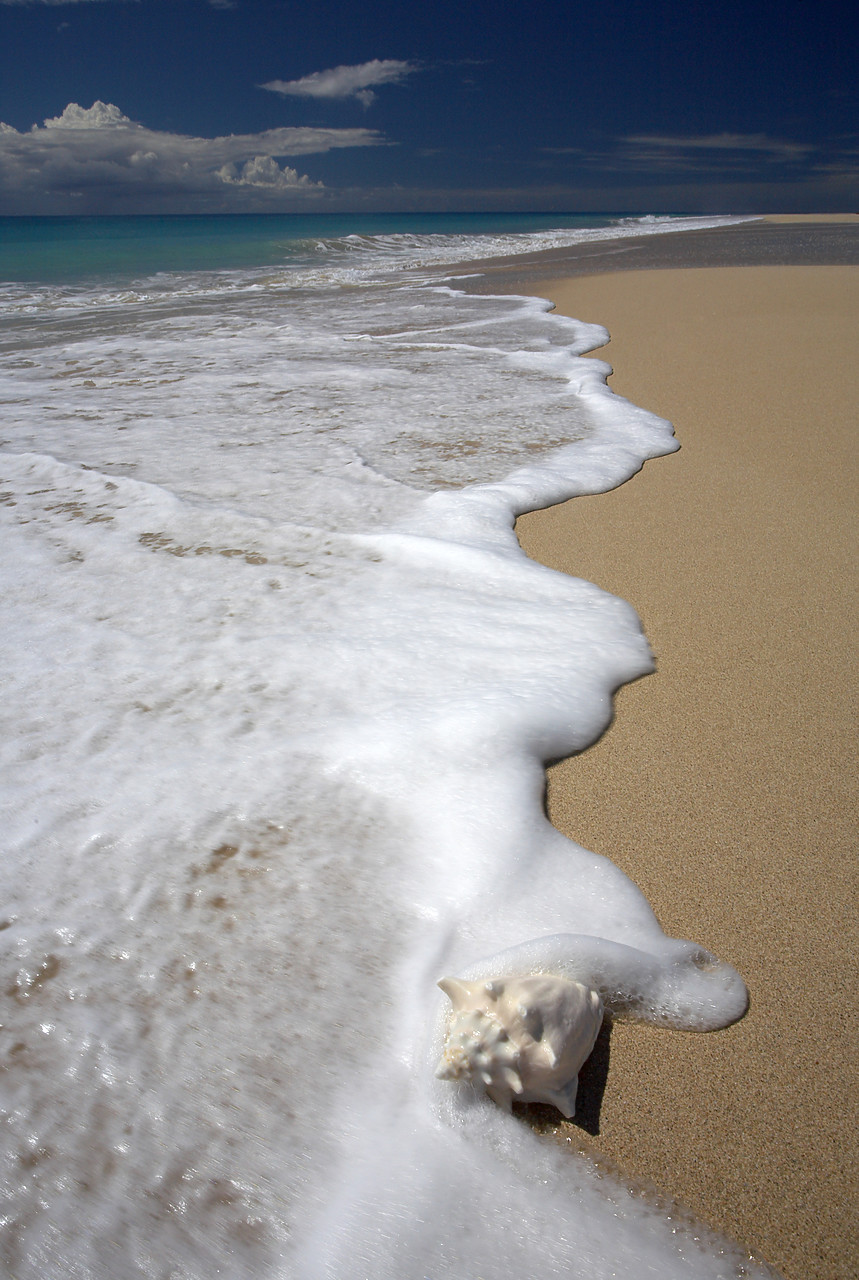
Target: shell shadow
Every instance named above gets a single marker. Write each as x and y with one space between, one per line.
592 1082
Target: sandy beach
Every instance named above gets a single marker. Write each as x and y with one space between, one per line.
726 787
271 774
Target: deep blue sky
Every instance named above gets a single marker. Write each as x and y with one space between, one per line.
445 104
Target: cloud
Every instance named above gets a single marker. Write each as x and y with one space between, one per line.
264 171
703 157
101 115
345 82
98 160
758 142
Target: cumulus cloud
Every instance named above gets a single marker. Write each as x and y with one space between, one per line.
101 115
264 171
345 82
98 160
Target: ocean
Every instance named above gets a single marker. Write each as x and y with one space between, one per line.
280 688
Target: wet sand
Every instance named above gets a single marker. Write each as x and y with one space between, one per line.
786 240
726 787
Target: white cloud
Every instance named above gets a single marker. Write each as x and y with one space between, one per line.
345 82
264 171
101 115
98 160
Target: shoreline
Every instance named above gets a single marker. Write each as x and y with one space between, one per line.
783 240
724 788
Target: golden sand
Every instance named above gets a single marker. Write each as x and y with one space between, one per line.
727 786
813 217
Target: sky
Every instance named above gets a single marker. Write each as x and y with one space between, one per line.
219 106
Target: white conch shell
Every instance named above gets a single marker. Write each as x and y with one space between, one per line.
521 1037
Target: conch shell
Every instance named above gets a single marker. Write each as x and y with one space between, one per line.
524 1038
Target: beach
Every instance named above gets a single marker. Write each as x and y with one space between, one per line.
726 787
280 686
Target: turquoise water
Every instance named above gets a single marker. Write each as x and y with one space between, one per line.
52 250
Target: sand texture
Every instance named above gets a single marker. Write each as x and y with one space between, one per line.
726 787
851 219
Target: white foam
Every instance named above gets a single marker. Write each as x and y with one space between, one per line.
279 695
348 257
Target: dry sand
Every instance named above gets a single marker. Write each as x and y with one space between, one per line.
850 218
726 786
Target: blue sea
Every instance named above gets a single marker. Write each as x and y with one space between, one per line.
60 249
280 687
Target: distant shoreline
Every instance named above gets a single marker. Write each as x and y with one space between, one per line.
724 789
785 240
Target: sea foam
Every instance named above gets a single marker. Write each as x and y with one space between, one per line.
280 690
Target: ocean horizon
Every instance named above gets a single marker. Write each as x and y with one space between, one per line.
65 248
